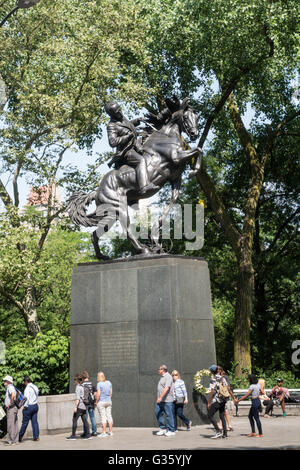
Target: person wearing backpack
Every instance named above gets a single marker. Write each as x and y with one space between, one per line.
11 411
91 401
79 411
30 410
219 395
226 413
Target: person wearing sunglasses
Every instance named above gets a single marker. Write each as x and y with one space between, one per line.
180 399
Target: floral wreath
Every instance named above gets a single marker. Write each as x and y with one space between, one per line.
198 380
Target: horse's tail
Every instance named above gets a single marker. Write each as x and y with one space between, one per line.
77 207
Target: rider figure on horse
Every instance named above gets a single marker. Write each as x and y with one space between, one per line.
122 134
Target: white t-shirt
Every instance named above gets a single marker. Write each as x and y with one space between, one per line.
31 392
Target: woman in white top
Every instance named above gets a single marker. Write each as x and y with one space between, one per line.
254 391
180 399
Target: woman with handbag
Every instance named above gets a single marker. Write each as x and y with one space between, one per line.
180 399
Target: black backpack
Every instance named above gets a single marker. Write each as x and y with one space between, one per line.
19 400
88 395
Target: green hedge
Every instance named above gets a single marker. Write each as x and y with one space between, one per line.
289 379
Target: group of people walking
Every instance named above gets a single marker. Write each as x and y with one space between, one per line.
171 399
13 400
220 391
172 396
88 399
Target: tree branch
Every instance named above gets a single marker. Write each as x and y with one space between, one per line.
10 297
7 200
231 86
15 183
280 230
257 172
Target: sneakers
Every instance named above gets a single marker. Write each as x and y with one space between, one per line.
162 432
71 438
110 433
85 438
103 434
170 433
217 435
189 426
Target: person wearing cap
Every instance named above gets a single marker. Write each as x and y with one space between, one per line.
281 394
217 402
11 411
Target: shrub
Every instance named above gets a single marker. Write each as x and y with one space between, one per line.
289 379
45 359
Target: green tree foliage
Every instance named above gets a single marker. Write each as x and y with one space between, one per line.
60 62
48 272
45 359
232 59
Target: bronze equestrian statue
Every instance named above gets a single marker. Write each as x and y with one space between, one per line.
165 158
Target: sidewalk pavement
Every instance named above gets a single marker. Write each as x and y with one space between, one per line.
279 433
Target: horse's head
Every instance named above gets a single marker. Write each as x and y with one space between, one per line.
185 116
190 120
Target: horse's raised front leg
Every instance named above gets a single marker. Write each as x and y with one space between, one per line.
179 156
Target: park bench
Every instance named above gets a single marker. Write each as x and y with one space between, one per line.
291 408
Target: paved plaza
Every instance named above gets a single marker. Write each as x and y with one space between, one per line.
279 433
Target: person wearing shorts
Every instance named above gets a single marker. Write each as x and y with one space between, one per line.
104 403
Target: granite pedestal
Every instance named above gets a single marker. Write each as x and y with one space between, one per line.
131 316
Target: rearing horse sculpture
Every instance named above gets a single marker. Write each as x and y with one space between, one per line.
166 160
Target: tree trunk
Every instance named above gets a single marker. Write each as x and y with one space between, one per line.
30 312
243 310
32 324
